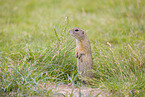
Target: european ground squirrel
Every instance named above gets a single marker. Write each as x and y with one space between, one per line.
83 53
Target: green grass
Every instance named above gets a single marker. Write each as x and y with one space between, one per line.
36 48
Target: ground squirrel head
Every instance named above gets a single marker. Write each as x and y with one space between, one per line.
78 33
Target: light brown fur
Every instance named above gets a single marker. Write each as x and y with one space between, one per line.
83 53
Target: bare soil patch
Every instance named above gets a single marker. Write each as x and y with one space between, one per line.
68 90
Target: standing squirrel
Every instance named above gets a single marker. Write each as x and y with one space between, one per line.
83 53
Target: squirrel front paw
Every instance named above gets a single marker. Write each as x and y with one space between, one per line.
80 55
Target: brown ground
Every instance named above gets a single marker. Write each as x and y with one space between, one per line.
64 90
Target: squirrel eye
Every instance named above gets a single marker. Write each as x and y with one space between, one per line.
76 30
83 32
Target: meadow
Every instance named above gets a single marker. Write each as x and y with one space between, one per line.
36 49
